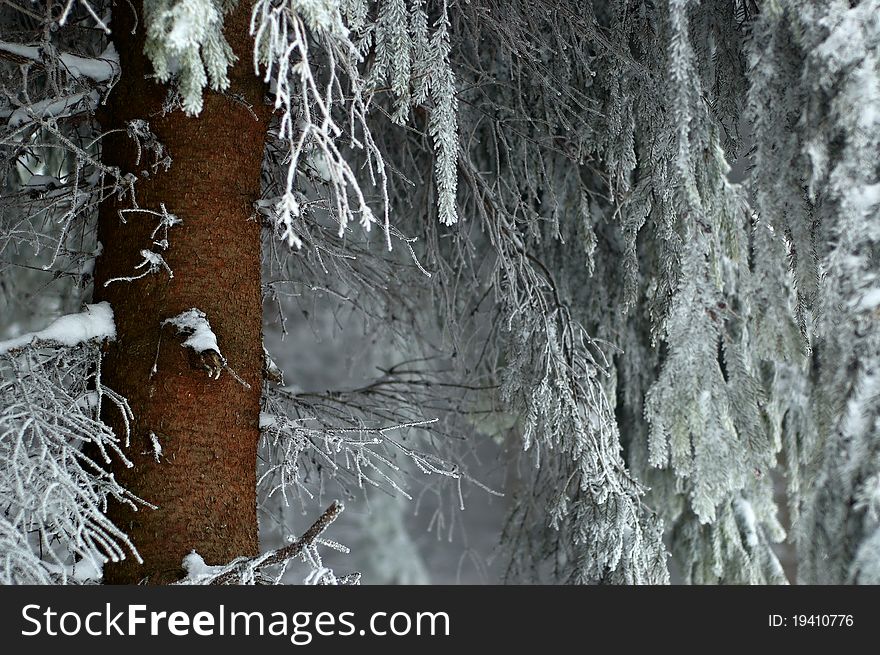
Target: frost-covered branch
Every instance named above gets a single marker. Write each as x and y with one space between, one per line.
254 570
54 448
185 41
302 447
285 33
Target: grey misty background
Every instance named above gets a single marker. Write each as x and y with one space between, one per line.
328 347
393 540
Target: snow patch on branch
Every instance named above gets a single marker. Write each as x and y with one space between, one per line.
55 449
197 570
271 371
99 69
200 338
255 570
194 322
54 108
94 322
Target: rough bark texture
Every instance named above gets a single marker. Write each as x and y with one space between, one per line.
204 486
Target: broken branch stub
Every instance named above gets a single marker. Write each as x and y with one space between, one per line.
201 343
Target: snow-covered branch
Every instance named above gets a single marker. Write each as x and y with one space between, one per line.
254 570
101 69
94 323
55 449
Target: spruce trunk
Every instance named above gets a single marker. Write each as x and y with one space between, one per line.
205 482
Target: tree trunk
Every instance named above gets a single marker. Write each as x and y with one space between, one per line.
205 483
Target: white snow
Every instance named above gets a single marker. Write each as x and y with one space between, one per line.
856 419
53 108
867 196
95 322
870 300
194 323
88 401
869 117
157 447
195 567
99 69
154 260
286 210
274 373
318 575
749 522
201 338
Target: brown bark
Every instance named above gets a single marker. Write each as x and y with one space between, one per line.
204 486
